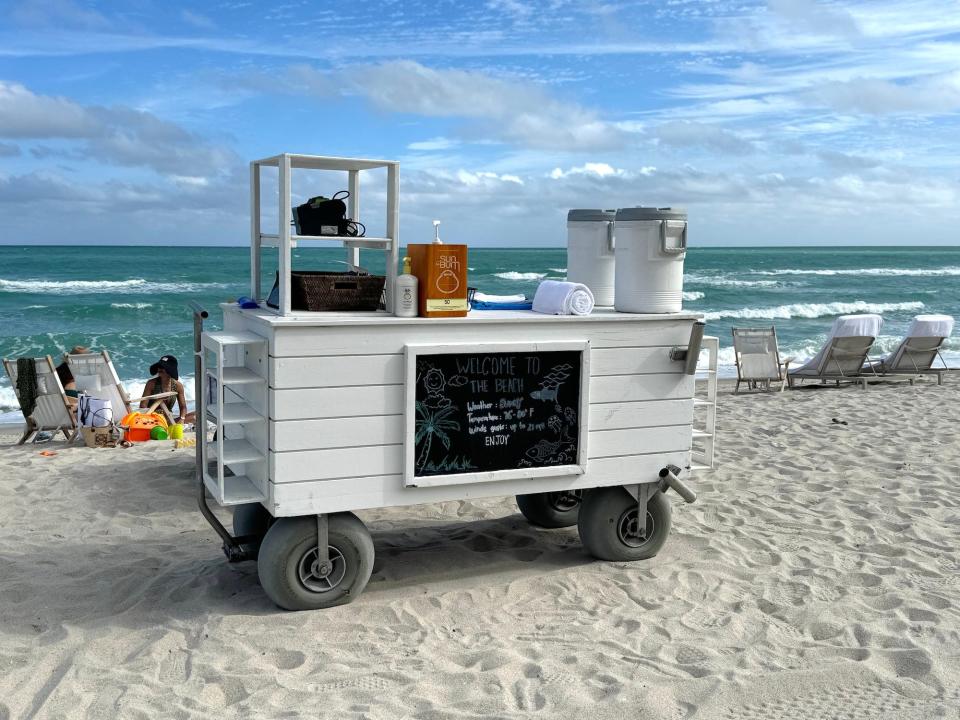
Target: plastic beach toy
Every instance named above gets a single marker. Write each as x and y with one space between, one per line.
158 433
176 431
138 426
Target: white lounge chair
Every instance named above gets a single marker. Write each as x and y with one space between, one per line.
95 375
52 409
757 358
918 351
844 357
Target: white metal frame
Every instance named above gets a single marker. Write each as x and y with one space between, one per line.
284 240
410 479
703 460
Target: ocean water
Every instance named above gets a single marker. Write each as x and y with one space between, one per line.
133 300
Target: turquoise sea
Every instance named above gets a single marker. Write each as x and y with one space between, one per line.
132 300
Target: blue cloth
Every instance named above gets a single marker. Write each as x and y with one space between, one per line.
483 305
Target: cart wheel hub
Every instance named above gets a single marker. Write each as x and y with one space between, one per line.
629 530
321 577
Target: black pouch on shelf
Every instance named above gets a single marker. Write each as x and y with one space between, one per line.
324 216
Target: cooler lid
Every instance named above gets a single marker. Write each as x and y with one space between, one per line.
591 215
651 213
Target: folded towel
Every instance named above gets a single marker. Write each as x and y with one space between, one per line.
555 297
28 389
486 297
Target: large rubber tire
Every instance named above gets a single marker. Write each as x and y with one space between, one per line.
551 509
251 519
286 556
607 524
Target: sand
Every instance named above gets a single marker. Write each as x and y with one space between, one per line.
817 576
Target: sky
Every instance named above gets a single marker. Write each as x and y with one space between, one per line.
774 122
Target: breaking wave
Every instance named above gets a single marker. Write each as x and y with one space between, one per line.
137 286
132 306
727 282
913 272
693 295
812 310
514 275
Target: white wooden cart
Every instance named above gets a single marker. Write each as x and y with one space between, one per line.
587 420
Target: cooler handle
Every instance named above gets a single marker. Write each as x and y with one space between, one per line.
678 250
611 240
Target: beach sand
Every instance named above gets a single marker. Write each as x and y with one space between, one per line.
817 576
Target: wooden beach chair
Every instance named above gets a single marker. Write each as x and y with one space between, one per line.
844 358
95 375
52 411
757 358
920 349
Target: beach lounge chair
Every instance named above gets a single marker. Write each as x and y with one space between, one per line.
920 349
757 357
95 375
50 408
844 357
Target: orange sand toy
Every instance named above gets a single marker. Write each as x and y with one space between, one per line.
137 426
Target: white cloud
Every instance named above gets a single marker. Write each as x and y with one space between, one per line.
512 111
933 95
434 144
816 17
116 135
597 169
24 114
687 134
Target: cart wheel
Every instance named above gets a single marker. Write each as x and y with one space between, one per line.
551 509
609 529
251 519
288 555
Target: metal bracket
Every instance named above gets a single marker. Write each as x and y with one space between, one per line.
690 354
322 565
642 492
669 480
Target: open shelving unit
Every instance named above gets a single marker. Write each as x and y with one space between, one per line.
285 240
705 432
235 463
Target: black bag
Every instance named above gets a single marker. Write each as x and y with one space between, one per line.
326 216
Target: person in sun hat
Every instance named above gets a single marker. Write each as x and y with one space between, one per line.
165 377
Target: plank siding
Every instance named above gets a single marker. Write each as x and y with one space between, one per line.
359 493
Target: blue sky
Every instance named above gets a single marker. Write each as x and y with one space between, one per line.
774 122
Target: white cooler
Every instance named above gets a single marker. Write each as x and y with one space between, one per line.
651 245
590 248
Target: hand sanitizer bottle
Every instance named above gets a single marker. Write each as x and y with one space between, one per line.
406 300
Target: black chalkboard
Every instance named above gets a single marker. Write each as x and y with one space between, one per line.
496 411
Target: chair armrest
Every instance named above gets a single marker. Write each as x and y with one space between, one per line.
158 396
787 361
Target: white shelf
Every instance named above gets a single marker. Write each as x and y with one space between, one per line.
703 403
233 413
269 240
222 337
322 162
695 467
237 376
237 451
237 490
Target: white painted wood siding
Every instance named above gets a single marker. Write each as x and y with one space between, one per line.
336 408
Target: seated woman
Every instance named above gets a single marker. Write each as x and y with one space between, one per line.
66 376
168 380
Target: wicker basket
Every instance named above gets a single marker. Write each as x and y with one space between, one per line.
319 290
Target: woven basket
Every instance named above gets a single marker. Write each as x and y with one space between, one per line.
319 290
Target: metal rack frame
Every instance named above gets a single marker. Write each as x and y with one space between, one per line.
285 240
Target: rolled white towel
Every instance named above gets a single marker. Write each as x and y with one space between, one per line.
556 297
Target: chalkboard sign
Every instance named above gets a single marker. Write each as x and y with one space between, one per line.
476 412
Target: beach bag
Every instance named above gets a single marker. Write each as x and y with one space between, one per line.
100 437
94 412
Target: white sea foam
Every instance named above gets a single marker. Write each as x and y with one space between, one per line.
812 310
83 287
131 306
897 272
693 295
559 270
727 282
34 307
513 275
